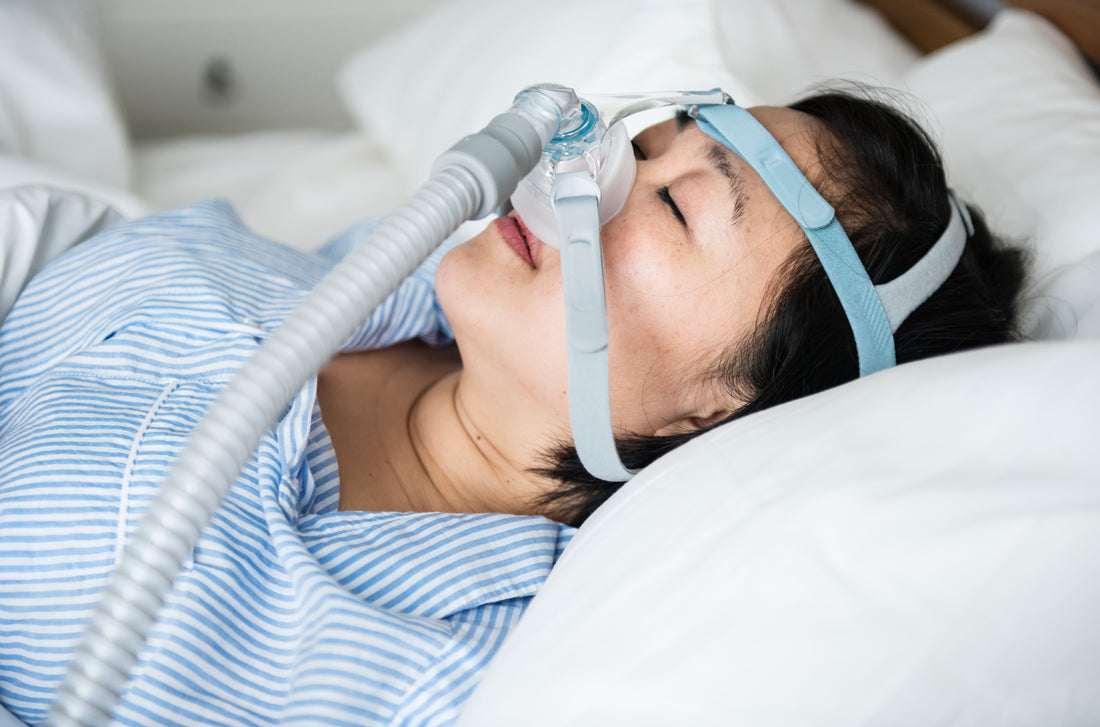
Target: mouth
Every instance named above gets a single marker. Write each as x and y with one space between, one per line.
519 238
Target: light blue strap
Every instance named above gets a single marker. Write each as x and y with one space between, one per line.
575 197
866 315
874 313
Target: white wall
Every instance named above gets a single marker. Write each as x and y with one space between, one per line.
281 57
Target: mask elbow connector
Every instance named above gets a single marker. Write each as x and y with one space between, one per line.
502 153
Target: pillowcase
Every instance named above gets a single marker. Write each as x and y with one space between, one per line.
883 553
783 47
421 89
1019 115
56 104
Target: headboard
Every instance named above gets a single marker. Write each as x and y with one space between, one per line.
931 24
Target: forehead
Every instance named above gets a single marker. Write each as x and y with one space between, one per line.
796 132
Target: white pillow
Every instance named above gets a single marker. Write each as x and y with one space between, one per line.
1067 302
420 90
56 105
17 171
889 552
37 224
1019 114
782 47
299 187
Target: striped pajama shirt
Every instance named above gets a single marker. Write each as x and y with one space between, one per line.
289 611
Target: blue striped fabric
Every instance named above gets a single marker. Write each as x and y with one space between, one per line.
290 611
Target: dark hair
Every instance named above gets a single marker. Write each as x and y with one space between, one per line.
884 176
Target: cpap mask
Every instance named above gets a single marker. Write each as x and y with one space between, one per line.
583 179
593 140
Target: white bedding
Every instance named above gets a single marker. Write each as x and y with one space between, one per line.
299 186
933 559
962 593
56 102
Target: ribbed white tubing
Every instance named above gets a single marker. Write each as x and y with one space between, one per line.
232 429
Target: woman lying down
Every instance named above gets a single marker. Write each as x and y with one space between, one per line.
393 526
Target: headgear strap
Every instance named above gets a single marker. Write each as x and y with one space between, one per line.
874 312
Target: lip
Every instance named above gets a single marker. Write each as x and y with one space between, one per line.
510 230
519 238
534 244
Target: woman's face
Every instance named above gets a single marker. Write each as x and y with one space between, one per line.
688 262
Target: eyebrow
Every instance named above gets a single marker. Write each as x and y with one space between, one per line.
683 120
717 155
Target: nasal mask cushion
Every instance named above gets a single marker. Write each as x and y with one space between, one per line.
584 180
604 154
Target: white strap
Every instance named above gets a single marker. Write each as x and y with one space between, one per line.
902 295
575 197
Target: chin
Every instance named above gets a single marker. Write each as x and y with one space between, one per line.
460 280
505 321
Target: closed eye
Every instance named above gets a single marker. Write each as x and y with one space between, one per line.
665 196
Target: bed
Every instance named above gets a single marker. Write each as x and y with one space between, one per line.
919 547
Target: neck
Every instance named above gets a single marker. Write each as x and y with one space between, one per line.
468 472
406 441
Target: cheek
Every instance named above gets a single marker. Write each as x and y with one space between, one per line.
671 314
639 260
653 277
657 344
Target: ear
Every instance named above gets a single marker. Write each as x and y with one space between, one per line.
693 423
711 419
